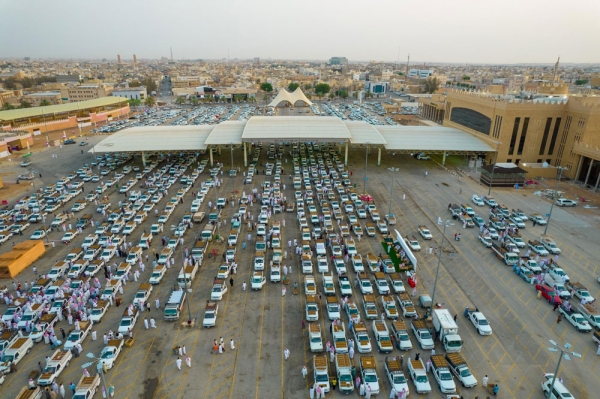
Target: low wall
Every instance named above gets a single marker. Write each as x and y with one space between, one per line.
20 257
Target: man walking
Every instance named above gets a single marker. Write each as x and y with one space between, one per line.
231 281
146 323
178 363
286 353
304 371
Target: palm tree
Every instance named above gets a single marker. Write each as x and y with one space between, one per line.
194 100
44 103
8 106
209 98
150 101
179 100
25 104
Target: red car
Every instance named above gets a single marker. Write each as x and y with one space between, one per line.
548 293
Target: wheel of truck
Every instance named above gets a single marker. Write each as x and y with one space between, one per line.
28 350
68 364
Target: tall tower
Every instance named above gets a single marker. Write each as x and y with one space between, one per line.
556 70
171 54
134 61
119 59
407 64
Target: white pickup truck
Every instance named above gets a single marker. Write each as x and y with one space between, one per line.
54 367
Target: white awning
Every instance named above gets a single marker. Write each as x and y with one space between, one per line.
295 128
156 138
430 138
406 249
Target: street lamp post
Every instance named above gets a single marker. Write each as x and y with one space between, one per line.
563 353
99 369
46 126
437 271
232 156
391 188
560 170
366 162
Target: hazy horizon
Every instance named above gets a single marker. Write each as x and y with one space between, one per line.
463 31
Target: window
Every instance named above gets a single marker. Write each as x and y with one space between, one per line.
523 136
517 162
539 160
471 119
513 140
509 160
554 136
545 136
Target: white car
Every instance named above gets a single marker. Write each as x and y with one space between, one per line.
38 235
477 200
481 323
413 244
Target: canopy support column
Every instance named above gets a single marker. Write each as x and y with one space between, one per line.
346 156
579 165
444 159
588 173
379 156
245 156
211 156
143 159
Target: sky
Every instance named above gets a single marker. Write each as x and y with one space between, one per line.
458 31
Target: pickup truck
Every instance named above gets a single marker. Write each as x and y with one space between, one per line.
218 290
389 307
485 240
361 337
537 247
357 263
422 334
477 200
424 232
315 338
489 201
382 336
312 308
187 274
455 210
157 274
479 321
210 314
309 285
516 239
370 307
581 292
128 322
368 372
321 372
77 337
413 244
396 283
110 352
343 366
328 286
333 308
338 332
352 311
99 311
538 219
408 308
142 295
520 223
460 368
418 374
575 318
441 372
364 283
509 258
550 245
400 335
87 387
395 374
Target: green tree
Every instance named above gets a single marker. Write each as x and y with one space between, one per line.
44 103
194 100
150 101
265 98
8 106
134 83
25 104
431 84
293 86
134 102
322 89
332 95
581 82
10 83
342 93
150 84
27 82
466 77
180 100
268 87
209 98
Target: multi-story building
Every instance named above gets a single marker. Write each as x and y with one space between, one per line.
560 130
187 81
132 93
10 97
338 61
420 73
86 92
51 97
69 78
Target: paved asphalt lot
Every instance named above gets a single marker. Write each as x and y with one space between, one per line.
263 323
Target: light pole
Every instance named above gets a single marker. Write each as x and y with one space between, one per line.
187 283
560 170
46 126
366 161
232 156
33 172
99 369
437 271
391 188
563 353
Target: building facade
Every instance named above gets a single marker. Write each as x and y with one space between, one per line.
132 93
420 73
338 61
68 78
85 92
562 131
51 97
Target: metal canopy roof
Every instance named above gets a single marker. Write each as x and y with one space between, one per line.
431 139
60 108
228 132
156 138
295 128
364 133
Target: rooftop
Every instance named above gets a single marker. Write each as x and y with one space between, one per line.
58 109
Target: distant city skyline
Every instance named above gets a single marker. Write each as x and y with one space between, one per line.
463 31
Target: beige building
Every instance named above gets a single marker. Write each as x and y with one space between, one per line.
85 92
562 131
187 81
10 97
36 99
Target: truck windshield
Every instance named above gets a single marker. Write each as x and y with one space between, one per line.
422 378
465 373
170 312
370 377
322 378
399 379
